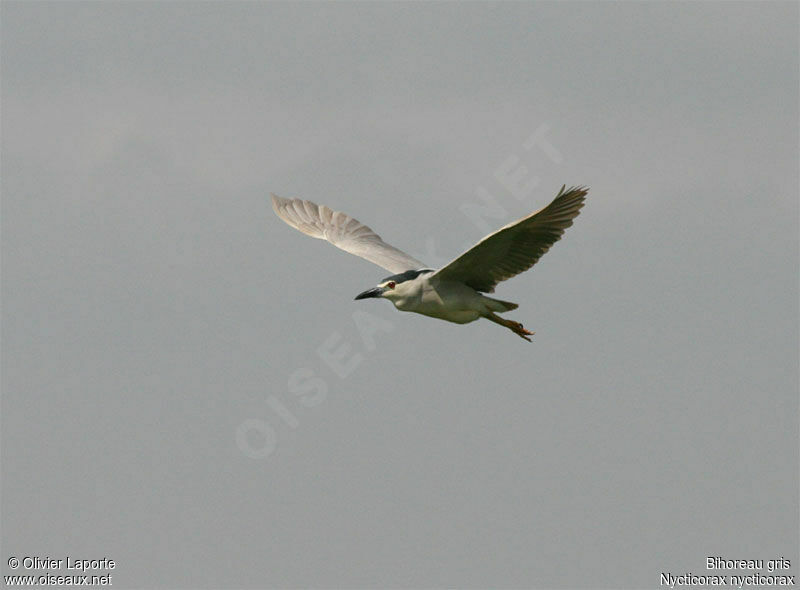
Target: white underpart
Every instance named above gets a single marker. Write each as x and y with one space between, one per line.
453 302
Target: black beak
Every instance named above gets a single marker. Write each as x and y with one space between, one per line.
374 292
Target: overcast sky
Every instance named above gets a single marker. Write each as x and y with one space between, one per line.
189 389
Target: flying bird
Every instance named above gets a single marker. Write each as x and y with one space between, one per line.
454 292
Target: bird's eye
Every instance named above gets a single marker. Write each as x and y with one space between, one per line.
390 285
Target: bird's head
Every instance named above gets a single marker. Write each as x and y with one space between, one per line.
385 289
395 286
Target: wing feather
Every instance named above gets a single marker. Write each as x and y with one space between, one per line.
517 246
344 232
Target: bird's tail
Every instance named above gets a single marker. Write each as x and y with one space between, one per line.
498 305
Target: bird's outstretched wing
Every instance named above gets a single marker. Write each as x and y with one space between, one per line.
517 246
341 230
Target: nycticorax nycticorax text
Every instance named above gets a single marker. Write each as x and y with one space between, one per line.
453 292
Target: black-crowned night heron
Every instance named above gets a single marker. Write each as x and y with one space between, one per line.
453 292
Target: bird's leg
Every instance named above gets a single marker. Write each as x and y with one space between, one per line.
515 327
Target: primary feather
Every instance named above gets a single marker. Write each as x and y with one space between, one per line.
343 231
517 246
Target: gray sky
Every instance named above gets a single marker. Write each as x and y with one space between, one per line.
189 389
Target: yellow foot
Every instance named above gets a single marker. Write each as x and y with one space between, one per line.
517 328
